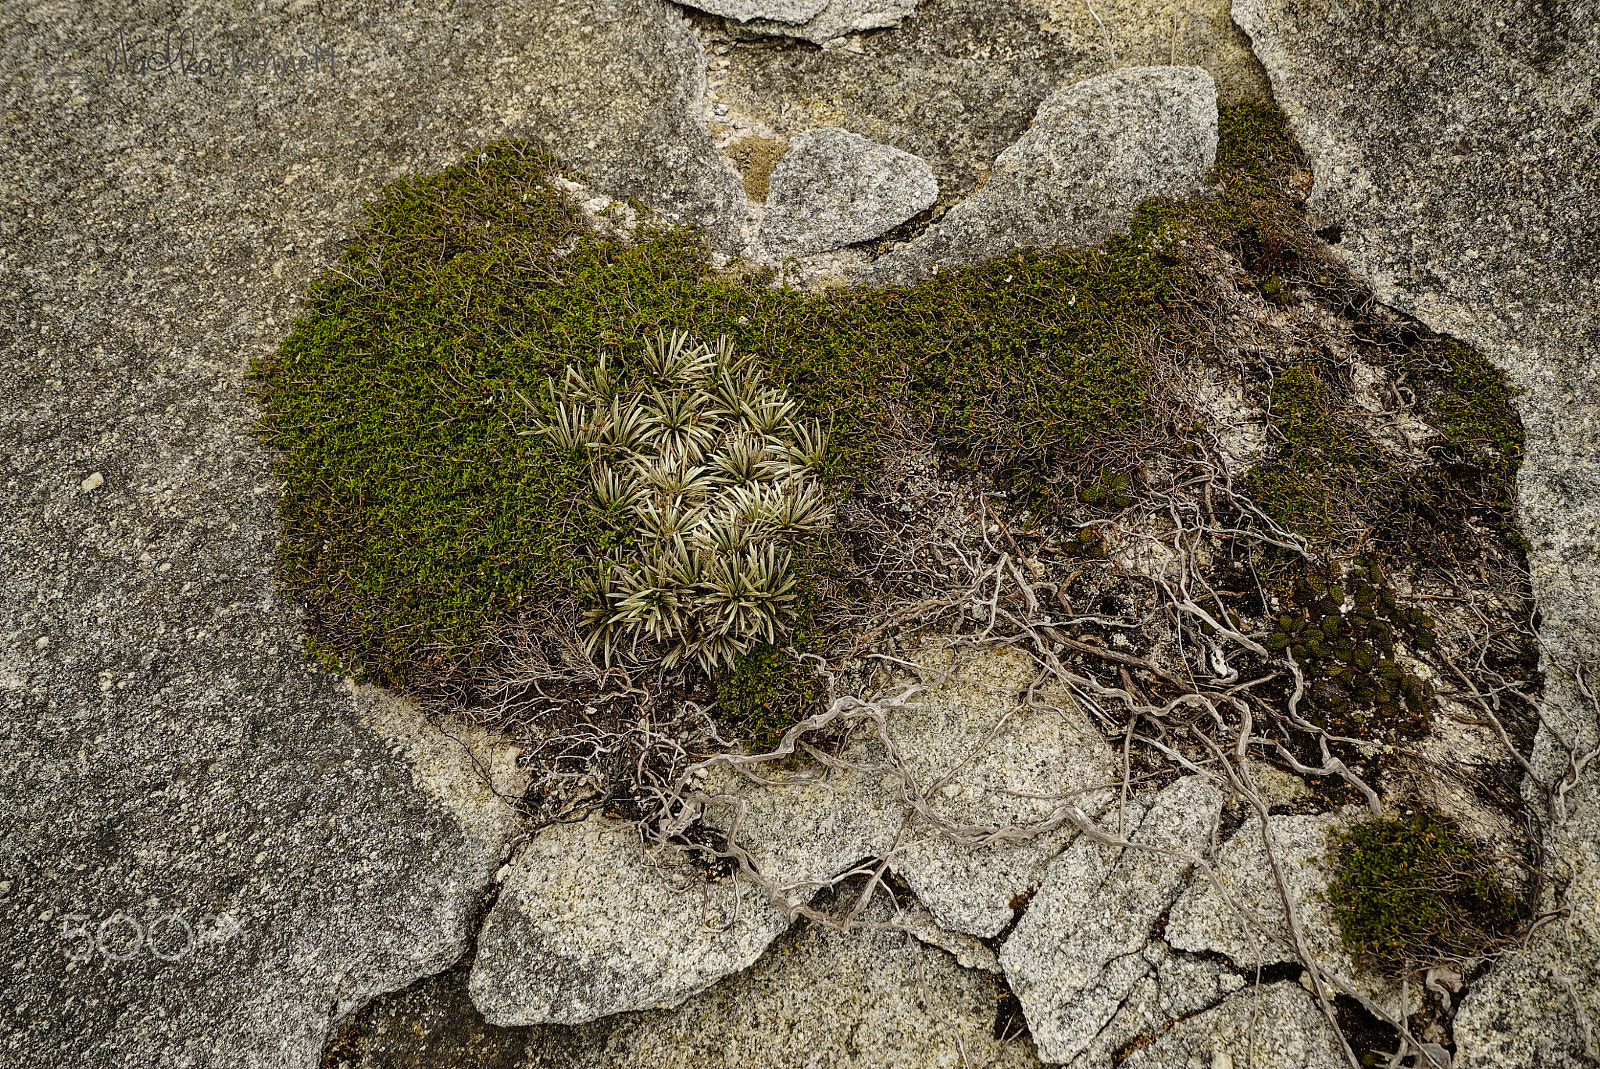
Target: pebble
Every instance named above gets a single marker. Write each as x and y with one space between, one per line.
93 482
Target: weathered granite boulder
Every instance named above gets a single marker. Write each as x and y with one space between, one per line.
588 924
834 188
1095 150
172 760
1273 1026
1457 169
1080 949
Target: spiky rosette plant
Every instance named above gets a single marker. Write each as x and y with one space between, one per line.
706 467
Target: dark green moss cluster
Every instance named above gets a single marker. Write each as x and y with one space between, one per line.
767 689
1409 893
1347 652
1110 490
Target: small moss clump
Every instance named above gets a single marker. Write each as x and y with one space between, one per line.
1410 893
1343 631
766 690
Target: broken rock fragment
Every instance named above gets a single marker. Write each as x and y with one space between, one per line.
1079 952
786 11
834 188
1272 1026
832 20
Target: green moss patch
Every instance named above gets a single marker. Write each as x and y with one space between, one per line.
418 509
1410 893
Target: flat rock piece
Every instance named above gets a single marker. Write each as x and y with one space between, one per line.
1079 951
834 188
1095 150
1456 167
1202 920
613 88
1273 1026
588 925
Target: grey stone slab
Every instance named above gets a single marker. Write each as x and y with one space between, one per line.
1080 951
788 12
589 924
837 18
969 733
1455 161
1095 150
833 188
169 753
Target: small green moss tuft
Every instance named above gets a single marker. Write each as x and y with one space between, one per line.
1409 893
765 691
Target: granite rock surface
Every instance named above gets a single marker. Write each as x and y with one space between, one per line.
959 82
173 762
1456 166
1271 1026
1095 150
1080 949
588 924
969 748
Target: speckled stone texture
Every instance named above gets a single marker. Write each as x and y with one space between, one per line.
1273 1026
169 754
588 925
819 998
835 19
784 11
834 188
1457 162
1095 150
968 736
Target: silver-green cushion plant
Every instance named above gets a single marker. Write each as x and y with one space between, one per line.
709 466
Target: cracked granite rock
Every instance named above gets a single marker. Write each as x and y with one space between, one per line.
1176 986
1203 921
820 998
588 925
790 12
834 188
1456 166
171 758
810 833
1079 951
1095 150
1273 1026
